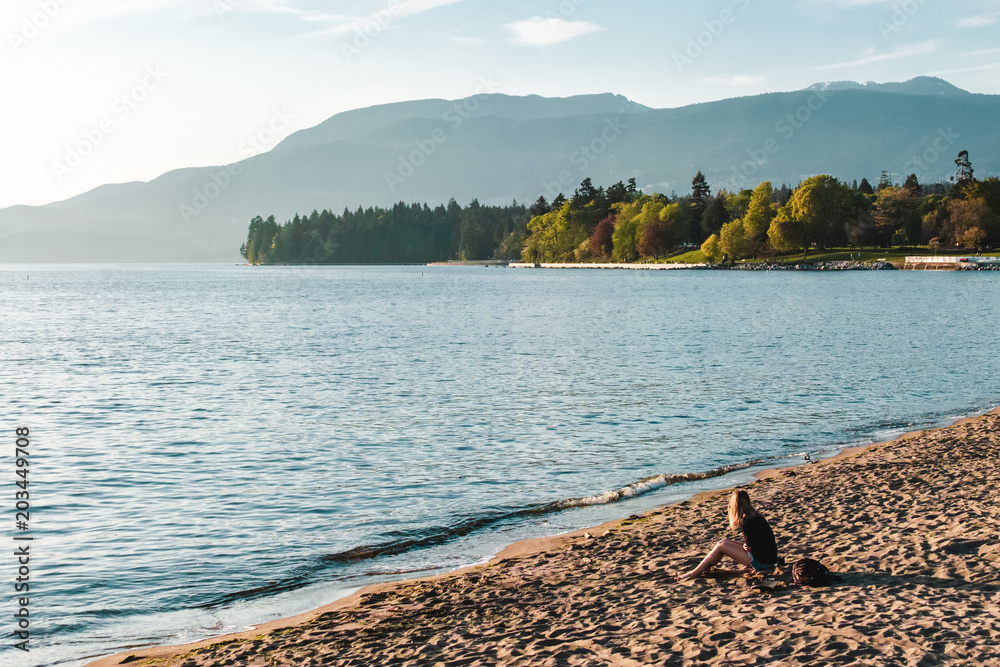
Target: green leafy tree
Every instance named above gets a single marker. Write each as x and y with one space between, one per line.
895 213
555 236
711 249
974 238
733 240
967 214
821 205
630 224
677 221
510 248
935 219
786 234
861 230
988 190
260 240
737 204
758 218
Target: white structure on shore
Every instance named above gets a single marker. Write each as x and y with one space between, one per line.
947 263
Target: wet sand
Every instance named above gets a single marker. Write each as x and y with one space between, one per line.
912 526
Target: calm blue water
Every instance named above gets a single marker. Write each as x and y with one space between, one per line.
215 446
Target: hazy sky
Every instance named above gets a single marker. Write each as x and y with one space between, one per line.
104 91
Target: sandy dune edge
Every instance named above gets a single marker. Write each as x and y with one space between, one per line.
912 525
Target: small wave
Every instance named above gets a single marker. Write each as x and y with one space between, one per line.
401 542
427 537
648 484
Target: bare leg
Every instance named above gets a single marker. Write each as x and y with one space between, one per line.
730 548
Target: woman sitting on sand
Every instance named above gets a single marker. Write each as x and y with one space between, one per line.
758 552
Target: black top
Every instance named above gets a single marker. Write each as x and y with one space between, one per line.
759 537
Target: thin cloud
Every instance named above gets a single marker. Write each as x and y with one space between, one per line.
338 24
978 21
871 56
850 4
541 31
962 70
978 54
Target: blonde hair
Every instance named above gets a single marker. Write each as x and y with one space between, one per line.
740 508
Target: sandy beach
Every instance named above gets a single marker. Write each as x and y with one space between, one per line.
912 526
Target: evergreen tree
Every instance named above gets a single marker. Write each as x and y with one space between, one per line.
700 192
699 188
540 207
617 193
963 177
715 214
401 234
782 195
585 194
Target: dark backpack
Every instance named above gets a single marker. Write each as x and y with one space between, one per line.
809 572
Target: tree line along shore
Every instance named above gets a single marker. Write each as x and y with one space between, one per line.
621 223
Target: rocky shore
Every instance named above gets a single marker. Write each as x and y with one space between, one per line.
805 266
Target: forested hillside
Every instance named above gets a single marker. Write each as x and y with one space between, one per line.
402 234
623 224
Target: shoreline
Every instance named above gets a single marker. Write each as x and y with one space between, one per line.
521 554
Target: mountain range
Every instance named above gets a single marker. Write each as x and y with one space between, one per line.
499 148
